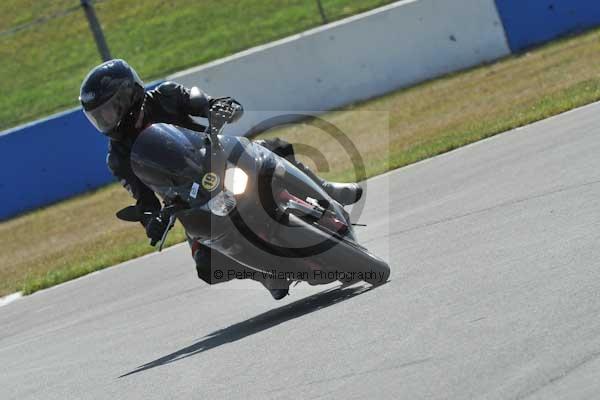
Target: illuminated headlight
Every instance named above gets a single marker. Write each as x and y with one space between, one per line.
222 203
235 180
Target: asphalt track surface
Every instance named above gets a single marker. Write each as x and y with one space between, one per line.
495 293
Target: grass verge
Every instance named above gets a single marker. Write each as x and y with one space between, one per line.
68 240
43 65
81 235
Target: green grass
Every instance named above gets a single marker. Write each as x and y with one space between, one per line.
443 114
81 235
102 259
43 66
566 99
70 239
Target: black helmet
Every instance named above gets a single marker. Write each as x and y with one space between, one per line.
108 93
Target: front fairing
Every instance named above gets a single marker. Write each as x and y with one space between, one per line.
180 164
169 160
200 221
184 167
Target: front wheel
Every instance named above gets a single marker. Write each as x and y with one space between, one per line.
380 269
342 255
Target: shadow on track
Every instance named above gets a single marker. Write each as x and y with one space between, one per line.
259 323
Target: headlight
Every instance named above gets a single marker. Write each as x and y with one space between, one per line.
235 180
222 203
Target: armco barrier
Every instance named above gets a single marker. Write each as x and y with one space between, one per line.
350 60
531 22
355 59
50 160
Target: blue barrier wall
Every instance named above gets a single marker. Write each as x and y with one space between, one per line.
50 160
531 22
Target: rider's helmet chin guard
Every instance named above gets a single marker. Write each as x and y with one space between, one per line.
108 93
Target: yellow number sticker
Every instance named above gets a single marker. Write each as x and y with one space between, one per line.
210 181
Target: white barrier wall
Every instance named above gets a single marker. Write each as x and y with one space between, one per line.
356 58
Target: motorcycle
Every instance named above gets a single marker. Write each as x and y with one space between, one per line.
241 199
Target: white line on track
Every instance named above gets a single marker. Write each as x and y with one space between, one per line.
10 298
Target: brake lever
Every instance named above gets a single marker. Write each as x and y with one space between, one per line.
170 211
172 219
220 113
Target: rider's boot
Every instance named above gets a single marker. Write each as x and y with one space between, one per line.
279 288
343 193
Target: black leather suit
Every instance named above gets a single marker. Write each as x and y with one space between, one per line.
173 104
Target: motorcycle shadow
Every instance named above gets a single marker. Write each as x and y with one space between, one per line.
260 323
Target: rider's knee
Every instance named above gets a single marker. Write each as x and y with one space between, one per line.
214 267
205 274
202 259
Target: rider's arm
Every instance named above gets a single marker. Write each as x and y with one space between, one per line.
171 99
173 103
119 165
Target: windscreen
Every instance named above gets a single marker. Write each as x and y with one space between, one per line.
170 159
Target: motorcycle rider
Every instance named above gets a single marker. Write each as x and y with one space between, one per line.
115 101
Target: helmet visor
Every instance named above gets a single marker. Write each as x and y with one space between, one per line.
107 116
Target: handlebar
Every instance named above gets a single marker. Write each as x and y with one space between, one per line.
221 112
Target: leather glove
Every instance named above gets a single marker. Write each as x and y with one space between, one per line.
155 228
236 111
